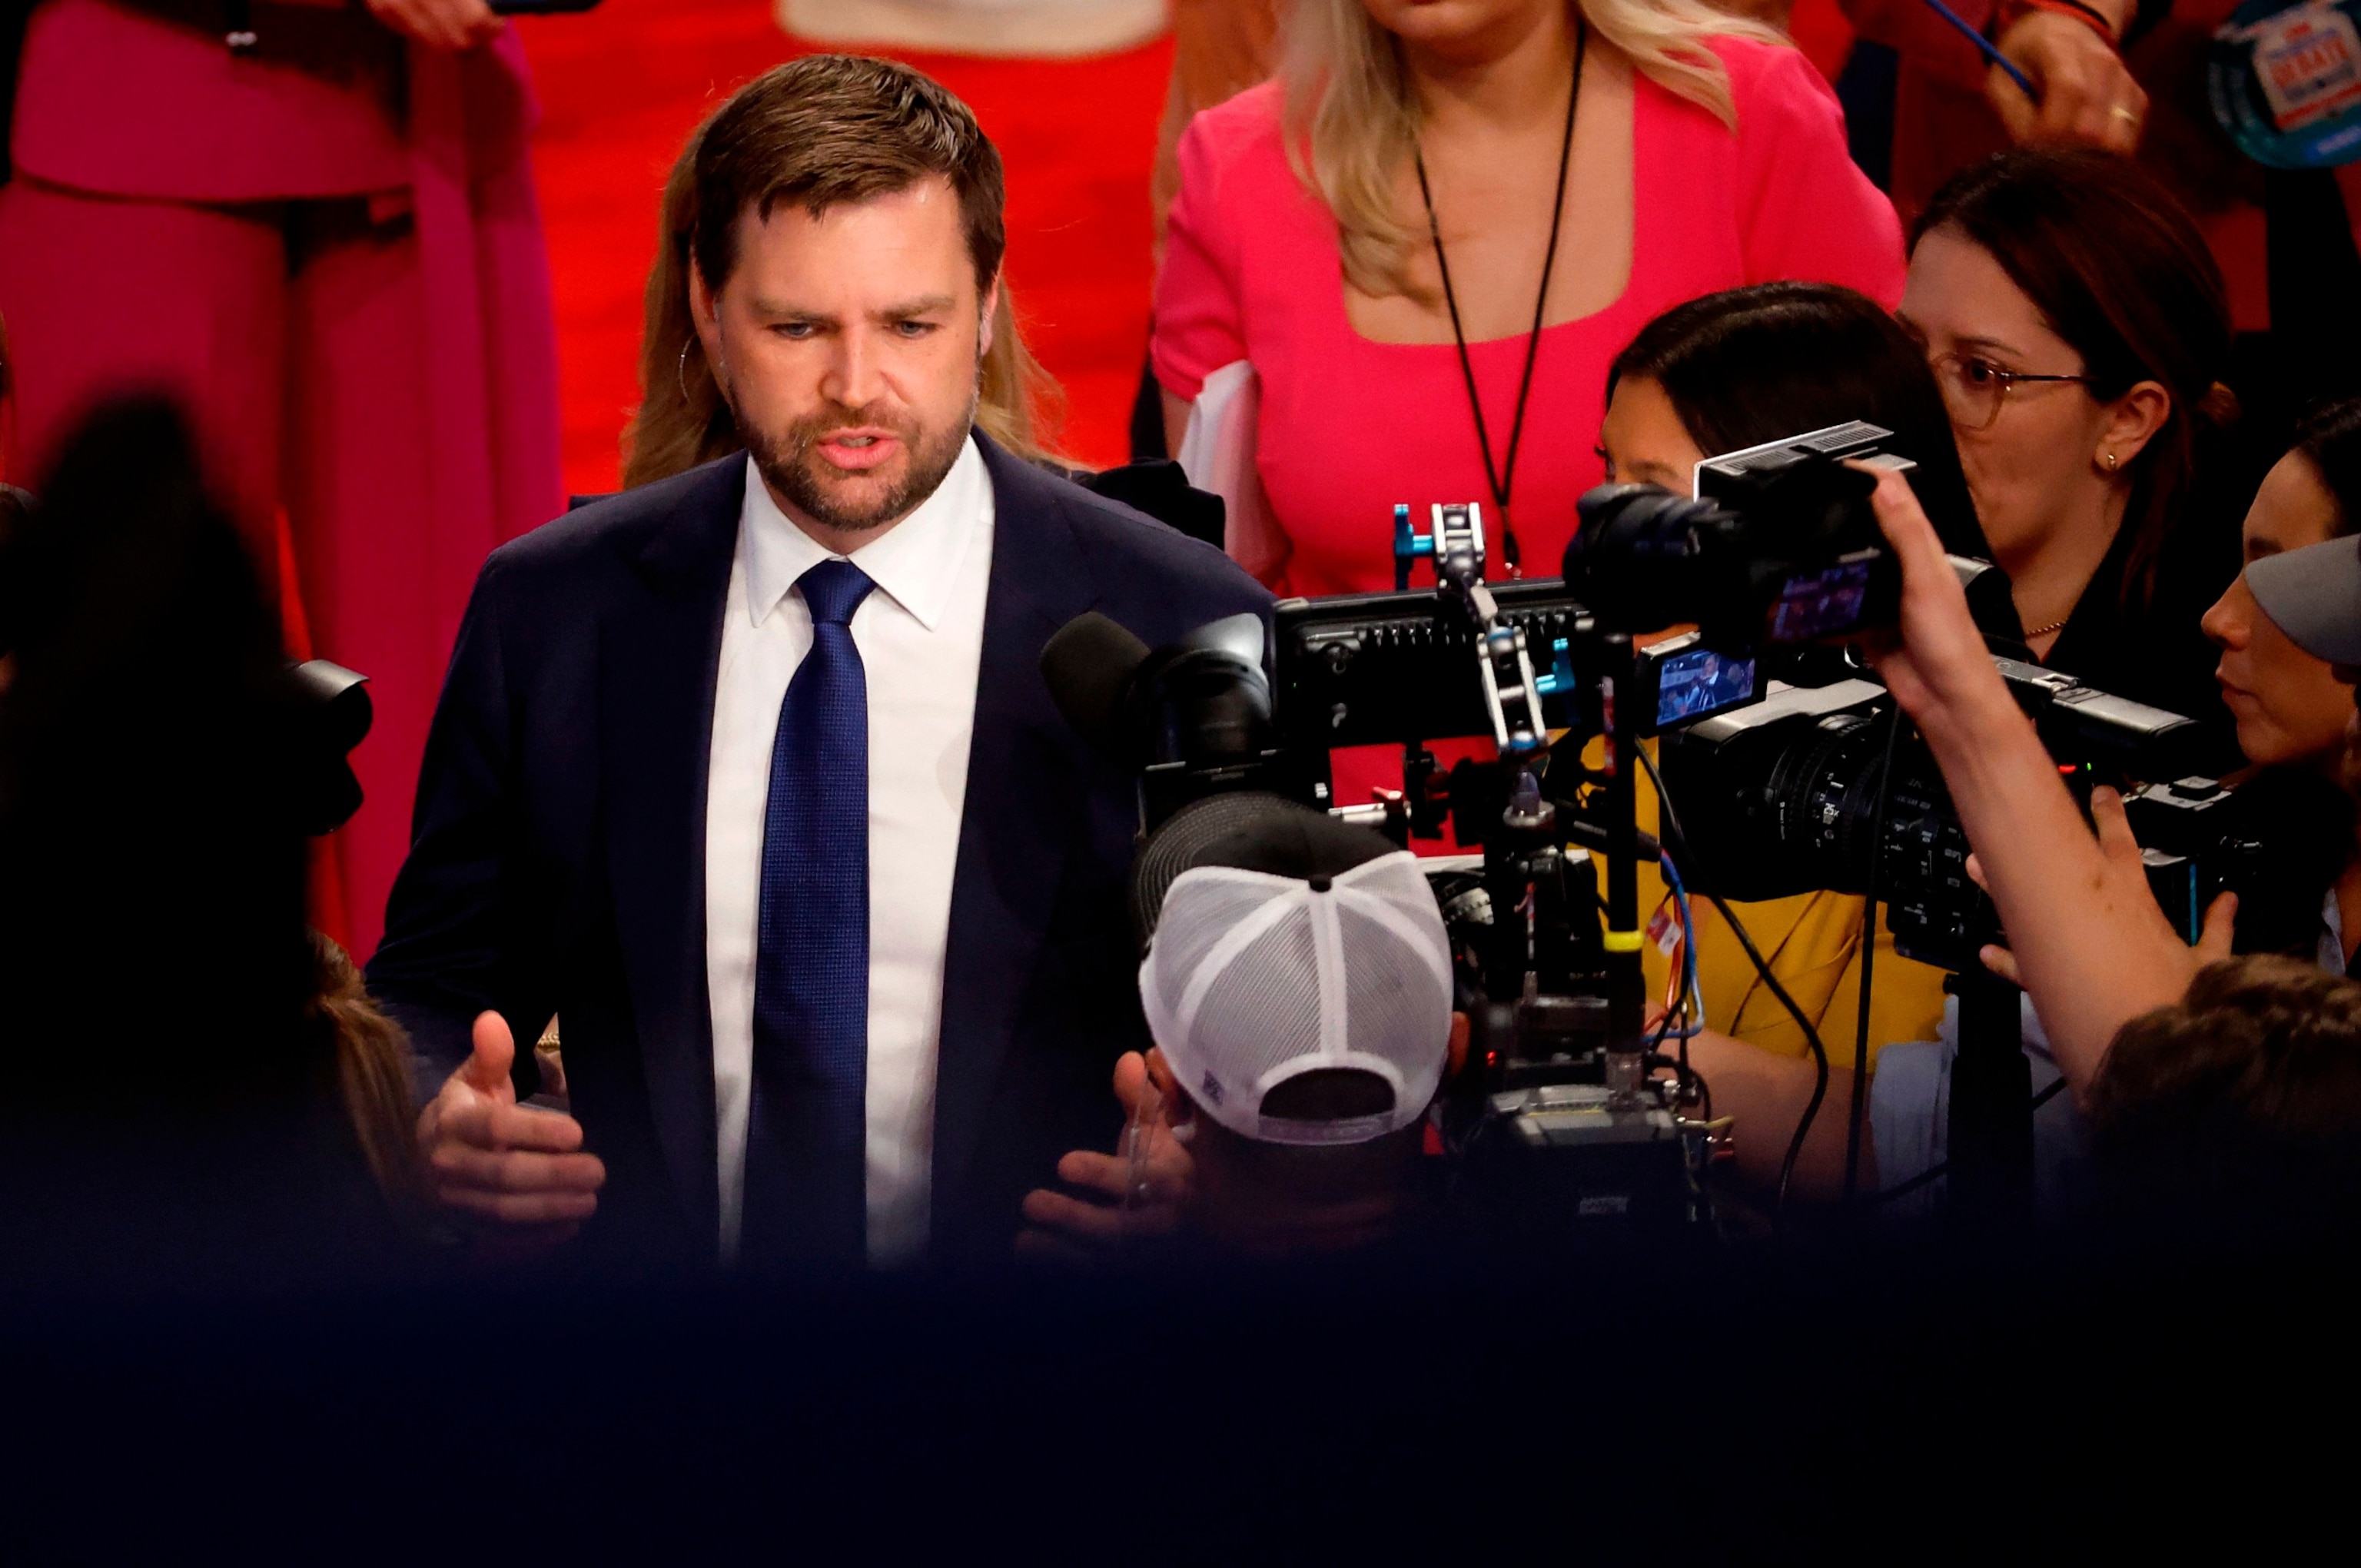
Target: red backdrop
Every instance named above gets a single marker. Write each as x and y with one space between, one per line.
621 86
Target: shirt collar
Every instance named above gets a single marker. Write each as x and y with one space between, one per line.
916 561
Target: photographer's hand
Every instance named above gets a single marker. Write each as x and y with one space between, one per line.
1061 1226
1934 662
2090 945
2127 871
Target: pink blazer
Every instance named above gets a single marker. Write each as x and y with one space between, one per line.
150 102
137 103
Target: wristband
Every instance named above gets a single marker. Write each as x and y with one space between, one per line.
2014 11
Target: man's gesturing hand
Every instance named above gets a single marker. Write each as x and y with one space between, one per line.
485 1155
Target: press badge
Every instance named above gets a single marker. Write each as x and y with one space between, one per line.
2285 80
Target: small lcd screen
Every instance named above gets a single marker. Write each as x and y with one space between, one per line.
1819 603
1699 682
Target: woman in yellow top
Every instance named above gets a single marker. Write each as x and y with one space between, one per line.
1728 371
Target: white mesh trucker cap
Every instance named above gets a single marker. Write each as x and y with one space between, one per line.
1285 942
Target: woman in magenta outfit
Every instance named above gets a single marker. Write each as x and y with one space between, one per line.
1327 281
1431 234
327 244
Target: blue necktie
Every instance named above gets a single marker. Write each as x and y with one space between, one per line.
806 1169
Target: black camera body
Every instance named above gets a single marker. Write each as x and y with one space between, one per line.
1558 1158
1778 787
1783 798
1778 546
1388 669
2195 844
2276 841
1396 669
1546 1122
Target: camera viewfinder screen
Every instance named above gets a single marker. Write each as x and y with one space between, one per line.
1819 603
1700 682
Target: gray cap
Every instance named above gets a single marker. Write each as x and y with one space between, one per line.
2314 596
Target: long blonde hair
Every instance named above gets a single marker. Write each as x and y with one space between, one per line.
372 1078
682 421
1352 121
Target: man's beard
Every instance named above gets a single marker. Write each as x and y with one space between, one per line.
816 488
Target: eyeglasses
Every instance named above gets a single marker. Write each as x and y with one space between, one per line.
1974 389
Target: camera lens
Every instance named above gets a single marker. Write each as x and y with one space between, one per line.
1822 792
1214 708
1639 561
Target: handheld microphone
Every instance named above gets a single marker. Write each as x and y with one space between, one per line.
1203 702
1089 665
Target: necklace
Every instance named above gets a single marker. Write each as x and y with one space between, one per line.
1504 478
2046 630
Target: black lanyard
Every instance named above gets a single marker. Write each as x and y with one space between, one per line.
1503 477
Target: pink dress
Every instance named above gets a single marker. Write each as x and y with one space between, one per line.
331 250
1349 427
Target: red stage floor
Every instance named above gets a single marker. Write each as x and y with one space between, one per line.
621 87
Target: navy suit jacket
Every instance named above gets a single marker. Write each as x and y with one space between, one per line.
557 858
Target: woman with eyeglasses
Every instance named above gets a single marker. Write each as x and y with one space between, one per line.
1722 373
2078 326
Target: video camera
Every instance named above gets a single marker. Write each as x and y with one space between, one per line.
1778 550
1797 795
1777 547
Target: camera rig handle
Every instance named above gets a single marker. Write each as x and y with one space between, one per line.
1454 542
1531 948
1512 694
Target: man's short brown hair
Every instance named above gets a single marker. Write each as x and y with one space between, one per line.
2248 1093
832 129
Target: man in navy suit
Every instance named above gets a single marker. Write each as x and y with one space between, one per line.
751 777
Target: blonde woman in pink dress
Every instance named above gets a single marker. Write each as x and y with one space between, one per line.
1433 232
1412 163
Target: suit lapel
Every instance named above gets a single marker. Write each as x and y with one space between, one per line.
1022 808
659 665
657 672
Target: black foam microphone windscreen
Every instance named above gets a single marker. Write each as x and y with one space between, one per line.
1089 665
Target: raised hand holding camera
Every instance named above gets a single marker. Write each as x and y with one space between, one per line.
2091 946
2123 858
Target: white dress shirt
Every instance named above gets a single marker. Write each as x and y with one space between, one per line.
920 633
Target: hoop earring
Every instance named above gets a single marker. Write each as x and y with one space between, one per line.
2111 462
680 370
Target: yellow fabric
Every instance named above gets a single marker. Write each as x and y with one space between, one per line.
1813 944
